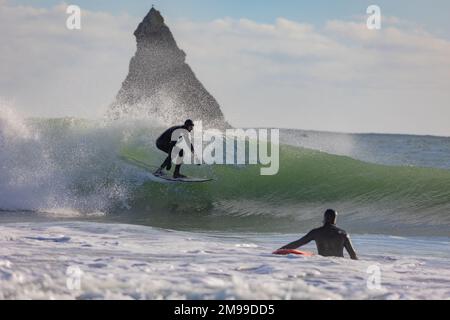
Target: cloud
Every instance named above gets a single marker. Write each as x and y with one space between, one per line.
339 76
51 71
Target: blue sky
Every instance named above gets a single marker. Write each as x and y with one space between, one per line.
290 64
433 15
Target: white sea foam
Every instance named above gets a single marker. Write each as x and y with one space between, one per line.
60 163
39 261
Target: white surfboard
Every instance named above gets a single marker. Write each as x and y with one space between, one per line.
187 179
162 178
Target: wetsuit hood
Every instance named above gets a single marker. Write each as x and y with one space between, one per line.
330 217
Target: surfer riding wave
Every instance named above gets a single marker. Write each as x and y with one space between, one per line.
166 143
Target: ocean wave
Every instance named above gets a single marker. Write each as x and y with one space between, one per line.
75 164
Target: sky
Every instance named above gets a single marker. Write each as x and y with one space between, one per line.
288 64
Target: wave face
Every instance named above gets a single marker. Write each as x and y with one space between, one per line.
388 149
71 168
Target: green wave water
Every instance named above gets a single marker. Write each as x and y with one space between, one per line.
370 197
72 165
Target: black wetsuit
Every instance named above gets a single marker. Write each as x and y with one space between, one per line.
165 144
330 241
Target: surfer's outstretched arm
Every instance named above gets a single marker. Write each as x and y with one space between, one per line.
301 242
349 247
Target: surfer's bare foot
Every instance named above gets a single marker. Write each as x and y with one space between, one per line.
158 172
179 176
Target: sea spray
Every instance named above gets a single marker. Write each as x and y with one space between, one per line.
72 164
67 164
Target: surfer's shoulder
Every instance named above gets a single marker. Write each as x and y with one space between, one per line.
172 129
167 135
315 231
342 232
335 229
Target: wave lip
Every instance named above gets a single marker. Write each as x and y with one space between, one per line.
49 164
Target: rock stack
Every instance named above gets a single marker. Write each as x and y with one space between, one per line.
160 84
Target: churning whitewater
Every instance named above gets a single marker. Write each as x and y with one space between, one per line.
87 210
72 206
112 261
72 168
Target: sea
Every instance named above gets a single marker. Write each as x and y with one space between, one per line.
78 222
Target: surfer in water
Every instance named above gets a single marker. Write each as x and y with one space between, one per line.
330 240
167 141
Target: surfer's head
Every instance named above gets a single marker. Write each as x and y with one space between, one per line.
330 217
189 125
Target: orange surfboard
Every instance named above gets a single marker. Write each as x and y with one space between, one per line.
285 252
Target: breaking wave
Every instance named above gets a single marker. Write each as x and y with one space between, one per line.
72 165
